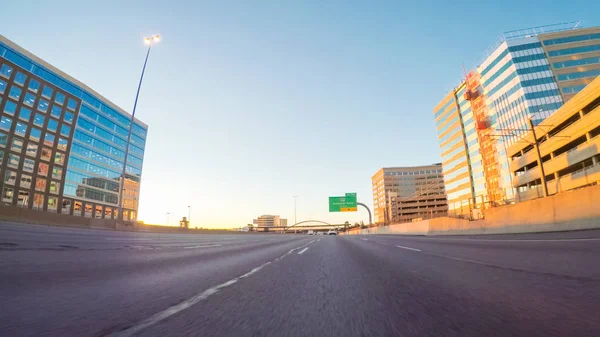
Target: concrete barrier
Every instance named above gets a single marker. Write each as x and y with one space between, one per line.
573 210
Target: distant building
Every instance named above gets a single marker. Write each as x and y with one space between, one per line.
403 194
270 221
569 148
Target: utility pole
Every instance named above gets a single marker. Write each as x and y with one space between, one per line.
539 157
295 217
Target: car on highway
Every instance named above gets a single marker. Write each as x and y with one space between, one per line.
311 232
332 232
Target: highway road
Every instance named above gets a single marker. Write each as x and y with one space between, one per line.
75 282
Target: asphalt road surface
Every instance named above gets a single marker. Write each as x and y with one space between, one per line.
69 282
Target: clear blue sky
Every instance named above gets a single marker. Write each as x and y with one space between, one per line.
252 102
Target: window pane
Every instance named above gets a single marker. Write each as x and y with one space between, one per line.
10 107
65 130
52 204
62 144
3 141
25 114
35 134
52 125
20 78
54 187
15 93
43 169
47 92
59 158
7 195
25 181
38 120
72 105
77 208
28 165
31 149
49 139
69 117
10 177
2 86
21 129
5 123
34 85
59 98
29 99
38 201
57 173
43 105
5 70
23 199
56 111
13 160
66 206
46 153
17 145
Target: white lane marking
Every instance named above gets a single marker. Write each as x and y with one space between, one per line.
365 239
128 239
302 251
415 249
131 331
204 246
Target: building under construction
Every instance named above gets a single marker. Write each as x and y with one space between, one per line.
527 74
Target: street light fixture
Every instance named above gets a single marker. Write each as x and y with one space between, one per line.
168 216
149 41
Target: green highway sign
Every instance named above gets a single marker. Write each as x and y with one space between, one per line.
346 203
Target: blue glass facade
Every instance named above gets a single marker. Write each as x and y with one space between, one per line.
80 130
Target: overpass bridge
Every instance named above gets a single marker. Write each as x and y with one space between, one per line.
302 226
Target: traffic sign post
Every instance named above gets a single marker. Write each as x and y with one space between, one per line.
346 203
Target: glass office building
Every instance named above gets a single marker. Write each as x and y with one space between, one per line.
62 145
527 74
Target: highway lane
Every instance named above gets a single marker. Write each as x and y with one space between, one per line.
295 285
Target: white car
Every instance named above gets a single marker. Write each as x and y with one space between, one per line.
311 232
332 232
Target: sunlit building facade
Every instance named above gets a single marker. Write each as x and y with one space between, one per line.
527 74
62 145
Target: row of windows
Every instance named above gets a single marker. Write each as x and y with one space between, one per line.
447 125
575 50
59 82
494 62
91 127
574 63
443 108
449 133
570 39
89 193
459 194
25 182
34 86
501 84
83 152
578 75
525 47
95 169
537 81
447 115
457 183
448 156
412 173
21 129
531 70
542 94
456 173
450 144
574 89
98 144
86 179
497 74
528 58
544 107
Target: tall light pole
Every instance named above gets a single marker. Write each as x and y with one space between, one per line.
149 41
295 218
168 214
190 215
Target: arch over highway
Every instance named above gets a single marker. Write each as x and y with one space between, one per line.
317 221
